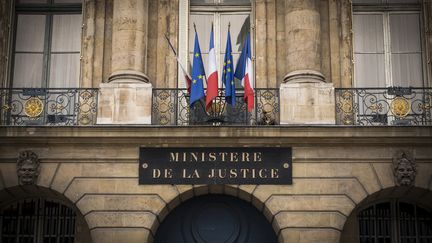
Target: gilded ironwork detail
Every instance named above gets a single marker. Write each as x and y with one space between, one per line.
347 105
171 107
383 106
40 106
6 107
33 107
400 107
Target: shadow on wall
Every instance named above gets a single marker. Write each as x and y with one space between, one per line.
405 210
215 218
59 217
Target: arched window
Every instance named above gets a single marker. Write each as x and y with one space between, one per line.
37 220
394 221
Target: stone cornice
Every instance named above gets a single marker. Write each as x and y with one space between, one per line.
220 136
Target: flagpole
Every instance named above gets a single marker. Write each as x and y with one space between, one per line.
213 103
224 103
205 78
176 56
172 47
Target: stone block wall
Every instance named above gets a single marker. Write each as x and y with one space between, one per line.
334 170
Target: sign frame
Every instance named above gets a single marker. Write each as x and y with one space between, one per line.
215 165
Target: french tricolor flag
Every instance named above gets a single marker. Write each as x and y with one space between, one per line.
212 79
244 72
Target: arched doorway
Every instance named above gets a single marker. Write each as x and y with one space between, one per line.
31 214
215 219
394 215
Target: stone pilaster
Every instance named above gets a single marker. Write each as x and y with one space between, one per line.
126 98
305 97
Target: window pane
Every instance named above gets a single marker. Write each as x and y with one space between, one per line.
407 70
368 33
367 1
64 71
198 2
28 70
369 70
235 2
66 33
30 33
240 26
405 33
403 1
67 1
31 1
221 2
203 24
384 1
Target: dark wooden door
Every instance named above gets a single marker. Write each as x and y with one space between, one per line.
215 219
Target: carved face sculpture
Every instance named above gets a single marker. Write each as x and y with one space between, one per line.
27 168
405 171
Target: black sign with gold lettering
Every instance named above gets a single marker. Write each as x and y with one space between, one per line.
215 166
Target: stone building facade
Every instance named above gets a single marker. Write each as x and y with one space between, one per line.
303 48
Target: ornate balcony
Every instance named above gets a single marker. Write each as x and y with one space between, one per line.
384 106
51 107
171 107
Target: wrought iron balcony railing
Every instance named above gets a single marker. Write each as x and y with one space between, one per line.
171 107
48 106
354 106
384 106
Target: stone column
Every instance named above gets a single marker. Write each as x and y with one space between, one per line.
303 40
305 96
126 98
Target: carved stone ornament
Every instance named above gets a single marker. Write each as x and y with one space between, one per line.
28 168
404 169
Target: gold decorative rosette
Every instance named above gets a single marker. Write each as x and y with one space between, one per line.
33 107
400 107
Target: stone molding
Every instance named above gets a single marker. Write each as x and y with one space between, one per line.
127 76
304 76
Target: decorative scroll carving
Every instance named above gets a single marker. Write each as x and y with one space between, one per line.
28 168
404 169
